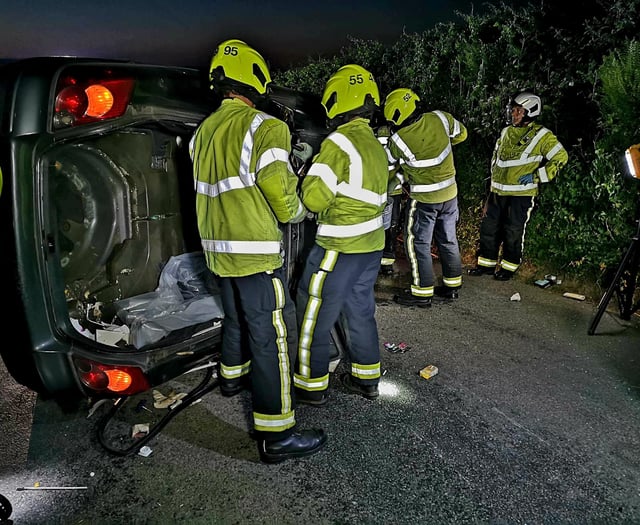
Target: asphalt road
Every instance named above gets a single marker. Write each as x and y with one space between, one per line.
529 420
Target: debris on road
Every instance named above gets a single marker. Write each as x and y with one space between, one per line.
139 430
145 451
162 401
51 488
428 371
399 348
516 297
576 296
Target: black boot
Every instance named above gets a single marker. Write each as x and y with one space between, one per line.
353 385
407 299
446 292
313 398
297 445
481 270
503 275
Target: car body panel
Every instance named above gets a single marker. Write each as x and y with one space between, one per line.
96 211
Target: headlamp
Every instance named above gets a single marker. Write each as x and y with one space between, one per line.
632 156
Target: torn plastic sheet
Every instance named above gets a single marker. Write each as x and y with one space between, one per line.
186 295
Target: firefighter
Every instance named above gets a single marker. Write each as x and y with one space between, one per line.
346 186
245 186
422 145
526 155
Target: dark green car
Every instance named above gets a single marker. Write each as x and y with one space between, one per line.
104 278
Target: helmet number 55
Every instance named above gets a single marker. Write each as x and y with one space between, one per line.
356 79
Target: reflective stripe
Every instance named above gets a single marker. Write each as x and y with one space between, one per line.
213 190
452 282
361 194
422 291
355 160
274 422
509 266
353 187
280 327
365 371
349 230
525 158
542 174
308 325
255 247
311 384
518 162
487 263
326 174
444 121
552 152
247 148
245 178
235 372
514 187
270 156
426 188
425 163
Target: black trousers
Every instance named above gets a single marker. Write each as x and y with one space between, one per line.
259 336
504 225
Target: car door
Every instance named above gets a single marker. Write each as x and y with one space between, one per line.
105 280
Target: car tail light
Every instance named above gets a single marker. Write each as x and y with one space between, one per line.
111 379
86 101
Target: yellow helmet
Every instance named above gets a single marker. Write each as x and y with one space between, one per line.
236 61
399 105
350 88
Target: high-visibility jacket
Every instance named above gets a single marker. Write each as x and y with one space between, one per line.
347 187
423 150
523 150
244 186
396 177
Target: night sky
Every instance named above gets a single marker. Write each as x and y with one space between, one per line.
186 32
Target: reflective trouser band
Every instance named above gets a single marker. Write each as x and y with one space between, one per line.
487 263
365 371
452 282
349 230
251 247
234 372
421 291
428 188
311 384
512 267
274 422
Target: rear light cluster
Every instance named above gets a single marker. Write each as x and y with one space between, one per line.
111 379
84 101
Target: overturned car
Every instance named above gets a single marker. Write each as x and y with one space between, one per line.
108 290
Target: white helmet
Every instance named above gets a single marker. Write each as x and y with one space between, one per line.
530 102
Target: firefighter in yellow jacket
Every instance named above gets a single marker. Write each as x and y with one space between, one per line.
346 185
526 155
422 147
245 186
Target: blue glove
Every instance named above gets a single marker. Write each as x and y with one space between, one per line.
526 179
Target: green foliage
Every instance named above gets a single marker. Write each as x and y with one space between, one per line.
585 65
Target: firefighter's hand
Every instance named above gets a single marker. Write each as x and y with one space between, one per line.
302 151
526 179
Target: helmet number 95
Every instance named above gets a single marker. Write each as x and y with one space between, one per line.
230 50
